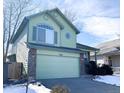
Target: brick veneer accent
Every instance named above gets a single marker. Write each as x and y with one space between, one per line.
82 65
32 63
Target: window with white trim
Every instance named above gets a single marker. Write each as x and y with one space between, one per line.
44 34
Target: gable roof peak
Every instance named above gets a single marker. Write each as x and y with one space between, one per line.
60 13
27 18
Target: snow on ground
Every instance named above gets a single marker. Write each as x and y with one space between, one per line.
109 79
22 89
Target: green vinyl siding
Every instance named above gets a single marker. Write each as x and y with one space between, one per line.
61 39
57 53
67 29
49 67
39 19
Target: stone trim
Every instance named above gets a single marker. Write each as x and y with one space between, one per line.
82 65
32 63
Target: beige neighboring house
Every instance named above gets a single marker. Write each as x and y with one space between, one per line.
109 54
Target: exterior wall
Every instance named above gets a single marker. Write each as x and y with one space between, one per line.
62 40
12 49
102 59
39 19
57 53
67 29
115 61
20 48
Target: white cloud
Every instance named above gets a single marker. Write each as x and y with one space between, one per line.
101 26
93 7
97 17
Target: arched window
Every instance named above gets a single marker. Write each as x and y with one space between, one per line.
43 33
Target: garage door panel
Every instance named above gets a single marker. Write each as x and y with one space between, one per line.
56 67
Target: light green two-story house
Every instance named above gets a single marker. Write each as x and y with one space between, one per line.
46 45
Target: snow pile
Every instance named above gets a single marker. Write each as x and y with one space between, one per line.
22 89
109 79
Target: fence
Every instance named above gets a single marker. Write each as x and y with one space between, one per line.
12 70
5 72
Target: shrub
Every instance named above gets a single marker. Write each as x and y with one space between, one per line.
101 71
91 68
105 70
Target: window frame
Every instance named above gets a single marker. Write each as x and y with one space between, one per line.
46 28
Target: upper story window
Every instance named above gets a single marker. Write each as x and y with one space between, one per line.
68 35
44 34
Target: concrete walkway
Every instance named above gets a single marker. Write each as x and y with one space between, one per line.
82 85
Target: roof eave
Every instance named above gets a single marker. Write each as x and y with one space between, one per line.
42 46
88 47
77 31
20 29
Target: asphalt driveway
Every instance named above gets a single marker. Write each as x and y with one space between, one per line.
82 85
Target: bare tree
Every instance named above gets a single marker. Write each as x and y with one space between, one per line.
14 11
70 14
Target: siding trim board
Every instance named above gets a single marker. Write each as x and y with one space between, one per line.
58 55
51 47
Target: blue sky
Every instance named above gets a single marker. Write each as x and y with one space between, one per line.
97 20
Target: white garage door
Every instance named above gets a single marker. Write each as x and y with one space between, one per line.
56 67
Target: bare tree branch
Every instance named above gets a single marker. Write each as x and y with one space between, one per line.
9 32
70 14
14 11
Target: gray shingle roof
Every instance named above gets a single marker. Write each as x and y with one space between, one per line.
85 47
110 47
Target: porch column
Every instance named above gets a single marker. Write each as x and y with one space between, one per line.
32 63
95 57
88 56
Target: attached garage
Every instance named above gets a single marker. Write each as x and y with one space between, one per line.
54 64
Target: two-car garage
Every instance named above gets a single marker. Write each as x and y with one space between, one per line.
51 64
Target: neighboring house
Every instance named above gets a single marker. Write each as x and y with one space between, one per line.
46 45
109 54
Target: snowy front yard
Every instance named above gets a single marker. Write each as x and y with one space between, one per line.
109 79
34 88
22 89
